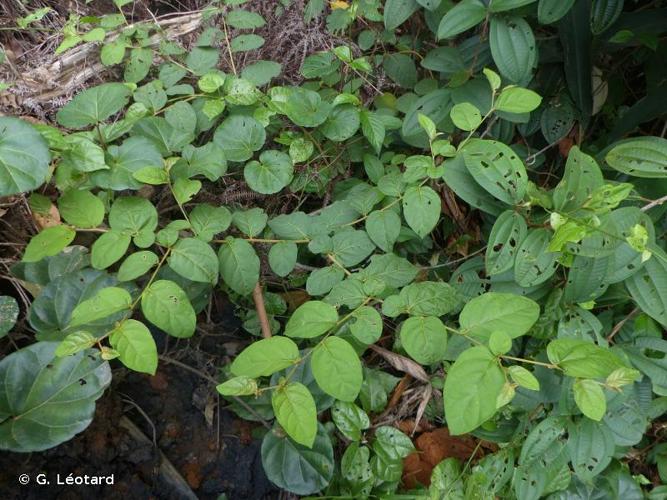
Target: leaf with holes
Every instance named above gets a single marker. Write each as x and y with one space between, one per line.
640 157
513 48
534 262
167 306
506 236
421 209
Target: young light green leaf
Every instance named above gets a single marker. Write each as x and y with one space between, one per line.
265 357
424 339
517 100
500 342
295 411
589 397
194 260
167 306
466 116
282 257
239 265
75 342
48 242
135 346
421 208
311 319
494 311
109 248
137 264
106 302
524 378
583 359
238 386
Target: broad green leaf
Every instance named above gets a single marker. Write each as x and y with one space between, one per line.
282 257
373 129
590 398
640 157
497 168
545 436
138 65
351 247
270 174
49 241
648 288
9 313
421 209
83 155
295 411
586 279
513 47
342 123
581 358
132 156
292 226
350 419
185 189
503 5
367 325
261 72
383 227
396 12
581 178
401 69
81 209
604 14
44 401
472 386
75 342
133 214
24 157
244 43
392 443
507 234
109 248
576 39
238 386
424 339
239 265
207 221
445 60
167 306
243 19
239 137
466 116
135 346
550 11
296 468
534 263
517 100
311 319
321 281
105 303
500 342
462 17
436 105
93 105
113 52
265 357
250 222
464 185
337 369
136 265
494 311
306 107
194 260
590 445
557 120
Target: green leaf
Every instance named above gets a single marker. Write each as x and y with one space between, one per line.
239 137
250 222
581 178
265 357
604 14
640 157
524 378
550 11
109 248
44 401
494 311
311 319
239 265
242 19
207 221
138 65
535 263
513 47
462 182
167 306
401 69
590 398
261 72
106 302
472 386
113 52
367 327
270 174
396 12
350 247
194 260
421 209
350 419
590 445
282 257
337 369
392 444
238 386
321 281
517 100
81 209
577 41
136 265
24 157
373 129
49 241
424 339
462 17
500 342
342 123
506 236
295 411
93 105
9 312
497 168
135 346
295 468
648 288
133 155
306 108
581 358
503 5
466 116
383 227
244 43
75 342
